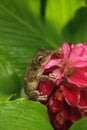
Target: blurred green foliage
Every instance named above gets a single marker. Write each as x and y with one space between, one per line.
26 25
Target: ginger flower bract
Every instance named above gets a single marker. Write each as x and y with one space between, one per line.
67 94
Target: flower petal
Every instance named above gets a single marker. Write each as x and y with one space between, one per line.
78 55
57 55
66 49
76 115
80 62
83 99
51 63
79 77
66 111
79 50
54 104
46 87
71 94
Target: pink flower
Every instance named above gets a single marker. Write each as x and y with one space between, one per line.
72 65
70 71
67 87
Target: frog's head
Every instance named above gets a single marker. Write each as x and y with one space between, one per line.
41 57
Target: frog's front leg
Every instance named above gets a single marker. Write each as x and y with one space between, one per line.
31 88
36 96
33 93
51 77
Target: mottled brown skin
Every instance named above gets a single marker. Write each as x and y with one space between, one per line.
34 75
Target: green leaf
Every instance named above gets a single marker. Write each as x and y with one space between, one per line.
22 32
59 12
9 82
6 97
22 114
80 124
76 30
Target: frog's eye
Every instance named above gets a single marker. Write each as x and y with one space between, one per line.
40 59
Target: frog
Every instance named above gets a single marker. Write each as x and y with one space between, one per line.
34 74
